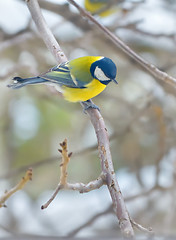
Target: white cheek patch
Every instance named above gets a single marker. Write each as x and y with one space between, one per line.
99 74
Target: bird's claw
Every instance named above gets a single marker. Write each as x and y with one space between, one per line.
89 104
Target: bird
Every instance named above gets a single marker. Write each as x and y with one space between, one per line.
99 7
78 80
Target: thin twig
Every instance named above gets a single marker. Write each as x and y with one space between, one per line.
19 186
63 184
132 27
64 163
153 70
15 40
63 176
84 188
59 187
90 221
80 187
142 229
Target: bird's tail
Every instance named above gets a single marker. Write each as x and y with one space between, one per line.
21 82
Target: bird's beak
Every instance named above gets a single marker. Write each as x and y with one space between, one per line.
114 80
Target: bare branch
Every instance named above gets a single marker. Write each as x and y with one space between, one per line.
133 27
142 229
153 70
59 187
90 221
45 32
63 176
64 163
109 210
19 186
108 170
82 188
15 40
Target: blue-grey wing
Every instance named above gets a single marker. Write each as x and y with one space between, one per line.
61 75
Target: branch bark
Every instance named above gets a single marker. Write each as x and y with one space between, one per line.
108 170
45 32
97 121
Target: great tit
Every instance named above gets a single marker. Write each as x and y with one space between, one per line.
78 80
94 6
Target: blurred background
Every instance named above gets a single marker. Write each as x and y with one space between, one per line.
139 114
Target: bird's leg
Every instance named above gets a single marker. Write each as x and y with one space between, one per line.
90 104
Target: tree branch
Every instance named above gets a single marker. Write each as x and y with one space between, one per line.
108 170
97 121
153 70
149 231
63 184
45 32
19 186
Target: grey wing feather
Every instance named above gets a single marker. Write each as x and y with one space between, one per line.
61 75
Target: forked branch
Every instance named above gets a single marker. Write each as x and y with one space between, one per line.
63 184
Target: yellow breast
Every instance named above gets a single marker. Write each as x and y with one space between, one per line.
83 94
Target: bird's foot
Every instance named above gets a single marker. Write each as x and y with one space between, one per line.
89 104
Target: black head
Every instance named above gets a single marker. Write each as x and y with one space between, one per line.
104 70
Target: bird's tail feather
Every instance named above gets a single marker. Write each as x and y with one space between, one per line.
21 82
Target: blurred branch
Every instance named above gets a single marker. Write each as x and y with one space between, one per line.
142 229
172 36
10 40
19 186
64 11
118 133
109 210
153 70
133 26
162 138
5 35
97 121
16 40
14 69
